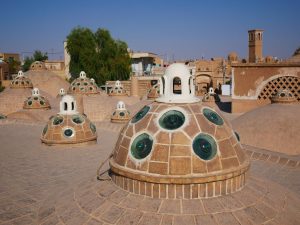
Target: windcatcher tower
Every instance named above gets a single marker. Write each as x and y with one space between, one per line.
255 39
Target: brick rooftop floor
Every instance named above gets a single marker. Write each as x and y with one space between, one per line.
47 185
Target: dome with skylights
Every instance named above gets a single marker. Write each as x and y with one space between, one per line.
68 126
36 101
83 85
178 141
21 81
121 114
117 90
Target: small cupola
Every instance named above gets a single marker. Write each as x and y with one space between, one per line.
177 85
68 105
35 92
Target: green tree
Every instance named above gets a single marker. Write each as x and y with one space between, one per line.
37 56
98 54
297 51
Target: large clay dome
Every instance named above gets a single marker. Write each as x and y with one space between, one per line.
179 149
274 127
68 126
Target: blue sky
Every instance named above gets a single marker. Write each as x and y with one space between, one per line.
179 29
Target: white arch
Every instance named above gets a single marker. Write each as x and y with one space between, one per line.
35 92
121 105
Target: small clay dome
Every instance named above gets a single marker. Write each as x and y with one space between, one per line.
187 145
283 96
36 101
83 85
38 65
269 59
117 90
121 114
211 96
68 126
21 81
232 57
153 92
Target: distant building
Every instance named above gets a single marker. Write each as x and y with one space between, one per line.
146 63
4 72
56 65
9 56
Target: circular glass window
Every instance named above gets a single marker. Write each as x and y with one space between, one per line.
42 102
171 120
85 83
140 114
212 116
45 130
35 98
58 120
237 135
122 114
16 82
27 82
93 127
29 102
77 119
91 88
204 146
68 132
141 146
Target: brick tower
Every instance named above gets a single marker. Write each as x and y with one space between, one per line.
255 45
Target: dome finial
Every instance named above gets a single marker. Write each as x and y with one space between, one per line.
177 85
68 105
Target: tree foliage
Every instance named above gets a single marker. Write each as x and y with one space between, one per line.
297 51
37 56
98 54
13 65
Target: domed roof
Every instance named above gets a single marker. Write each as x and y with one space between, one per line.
38 65
153 92
184 144
21 81
47 81
36 101
117 90
83 85
284 96
68 126
121 114
61 93
274 127
232 56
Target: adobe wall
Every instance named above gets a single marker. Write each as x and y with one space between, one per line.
253 84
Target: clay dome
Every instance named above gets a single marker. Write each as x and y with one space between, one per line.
269 59
36 101
47 81
68 126
83 85
21 81
153 92
274 127
117 90
184 147
38 65
121 114
232 56
284 96
211 96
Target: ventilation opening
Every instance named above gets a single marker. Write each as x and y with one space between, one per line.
177 85
72 105
65 106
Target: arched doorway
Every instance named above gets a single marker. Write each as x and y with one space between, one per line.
202 82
